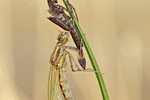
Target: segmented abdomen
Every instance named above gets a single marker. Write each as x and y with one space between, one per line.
64 84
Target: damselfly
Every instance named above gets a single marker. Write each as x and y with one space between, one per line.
59 88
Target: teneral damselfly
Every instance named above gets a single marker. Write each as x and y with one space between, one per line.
59 88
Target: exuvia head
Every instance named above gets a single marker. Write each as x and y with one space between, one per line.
63 37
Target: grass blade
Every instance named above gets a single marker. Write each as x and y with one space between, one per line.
91 57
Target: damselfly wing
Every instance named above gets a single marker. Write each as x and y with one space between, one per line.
55 92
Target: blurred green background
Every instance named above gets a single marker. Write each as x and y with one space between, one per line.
118 32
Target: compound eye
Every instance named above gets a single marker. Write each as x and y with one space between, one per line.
51 60
57 65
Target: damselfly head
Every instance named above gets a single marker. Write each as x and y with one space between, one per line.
63 37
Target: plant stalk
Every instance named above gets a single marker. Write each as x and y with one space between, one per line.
91 56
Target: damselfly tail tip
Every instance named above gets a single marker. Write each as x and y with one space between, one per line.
51 18
48 18
82 62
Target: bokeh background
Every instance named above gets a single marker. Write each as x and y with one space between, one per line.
118 32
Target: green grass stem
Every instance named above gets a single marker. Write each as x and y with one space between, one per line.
91 57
